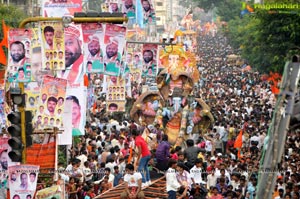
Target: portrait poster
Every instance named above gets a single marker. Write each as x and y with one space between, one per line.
115 96
148 12
19 66
129 7
32 97
65 138
112 7
114 44
149 62
37 71
5 161
53 51
22 180
50 193
74 71
51 103
93 39
78 96
59 8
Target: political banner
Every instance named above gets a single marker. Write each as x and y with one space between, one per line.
19 66
115 96
32 96
22 181
37 72
53 51
148 12
111 6
50 193
60 8
74 71
5 161
93 36
114 43
51 103
129 8
78 96
65 138
149 63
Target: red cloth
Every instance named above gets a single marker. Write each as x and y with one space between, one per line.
140 142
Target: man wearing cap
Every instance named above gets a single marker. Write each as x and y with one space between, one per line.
111 58
73 56
94 49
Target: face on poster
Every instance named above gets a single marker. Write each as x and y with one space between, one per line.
37 71
78 97
93 35
53 55
149 60
60 8
22 181
128 7
115 94
51 103
114 40
148 11
19 45
74 72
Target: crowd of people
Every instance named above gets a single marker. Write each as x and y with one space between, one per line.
210 166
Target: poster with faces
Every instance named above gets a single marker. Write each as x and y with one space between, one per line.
19 60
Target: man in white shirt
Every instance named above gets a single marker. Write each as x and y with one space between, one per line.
196 172
171 180
211 179
133 184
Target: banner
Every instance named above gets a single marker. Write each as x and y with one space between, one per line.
22 181
42 154
93 36
114 41
129 7
115 96
32 97
148 11
75 71
51 103
111 6
53 46
65 138
19 67
78 96
37 72
149 70
59 8
50 193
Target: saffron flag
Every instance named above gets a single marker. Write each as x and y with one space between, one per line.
3 43
239 140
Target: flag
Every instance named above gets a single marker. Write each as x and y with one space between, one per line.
4 43
239 140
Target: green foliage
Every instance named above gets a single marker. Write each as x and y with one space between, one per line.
266 40
11 15
225 9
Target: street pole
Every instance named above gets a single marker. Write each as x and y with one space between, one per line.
278 130
23 122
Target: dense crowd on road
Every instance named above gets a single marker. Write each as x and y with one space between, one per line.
240 101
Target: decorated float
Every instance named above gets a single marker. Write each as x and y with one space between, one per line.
173 107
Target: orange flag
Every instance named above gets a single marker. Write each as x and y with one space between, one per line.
239 140
4 43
